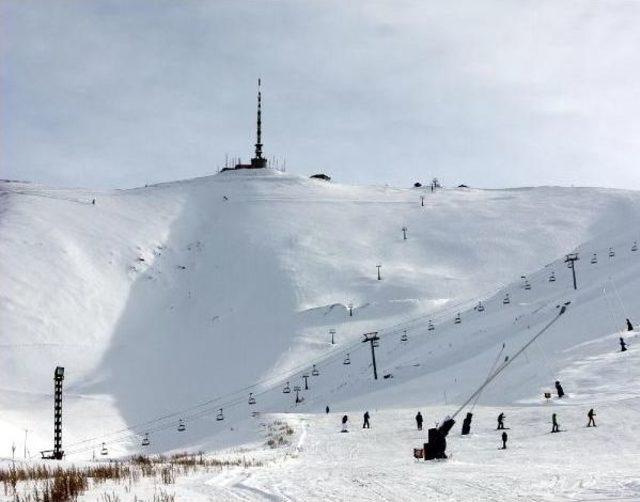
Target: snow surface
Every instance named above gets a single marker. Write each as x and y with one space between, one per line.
170 301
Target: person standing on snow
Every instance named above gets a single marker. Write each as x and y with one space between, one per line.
554 423
623 345
326 410
366 424
590 415
419 421
345 419
501 418
629 325
504 440
559 389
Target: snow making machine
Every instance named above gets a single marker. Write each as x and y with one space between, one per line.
436 446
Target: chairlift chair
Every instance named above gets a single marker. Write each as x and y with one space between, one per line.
104 450
431 326
404 336
552 277
145 440
181 426
252 400
506 299
634 247
347 360
376 343
527 285
612 253
594 259
457 320
480 307
286 389
314 371
220 415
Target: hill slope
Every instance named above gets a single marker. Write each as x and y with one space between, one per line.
162 298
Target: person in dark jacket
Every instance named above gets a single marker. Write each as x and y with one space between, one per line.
419 421
366 424
345 419
501 418
554 423
590 415
629 325
504 440
623 345
559 389
326 410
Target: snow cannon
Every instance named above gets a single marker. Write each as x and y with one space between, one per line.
466 424
437 445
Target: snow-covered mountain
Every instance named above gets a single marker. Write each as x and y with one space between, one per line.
175 300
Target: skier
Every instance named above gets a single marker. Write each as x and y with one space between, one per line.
504 440
345 418
326 410
554 424
501 418
623 345
466 424
93 202
590 415
629 325
419 421
366 424
559 389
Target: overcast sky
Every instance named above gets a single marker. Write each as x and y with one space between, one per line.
488 93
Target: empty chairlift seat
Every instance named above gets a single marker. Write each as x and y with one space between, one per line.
286 389
347 360
431 326
594 258
181 426
252 400
612 253
634 247
314 371
552 277
458 319
220 415
145 440
506 300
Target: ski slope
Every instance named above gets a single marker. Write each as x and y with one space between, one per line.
175 300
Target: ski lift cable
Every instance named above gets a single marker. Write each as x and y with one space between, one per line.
277 380
508 361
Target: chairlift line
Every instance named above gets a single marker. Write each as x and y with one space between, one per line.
201 409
